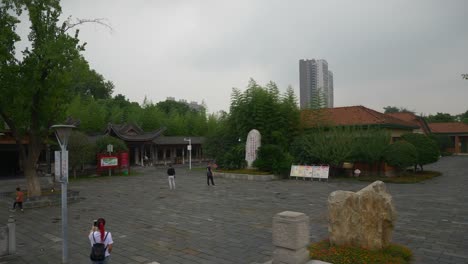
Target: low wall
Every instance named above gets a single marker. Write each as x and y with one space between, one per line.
41 201
248 177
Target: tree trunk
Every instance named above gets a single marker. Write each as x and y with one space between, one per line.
30 158
32 181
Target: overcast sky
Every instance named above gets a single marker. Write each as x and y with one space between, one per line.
382 53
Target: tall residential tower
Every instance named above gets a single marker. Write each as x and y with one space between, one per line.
316 84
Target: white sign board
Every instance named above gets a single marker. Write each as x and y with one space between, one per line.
65 165
313 172
57 166
253 143
189 147
321 172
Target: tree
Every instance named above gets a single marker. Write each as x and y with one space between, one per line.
464 117
440 118
80 150
465 76
273 158
36 89
428 151
88 82
264 108
318 99
401 155
369 145
395 109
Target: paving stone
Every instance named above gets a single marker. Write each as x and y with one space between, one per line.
232 222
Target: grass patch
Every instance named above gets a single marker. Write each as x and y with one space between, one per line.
407 177
245 171
393 254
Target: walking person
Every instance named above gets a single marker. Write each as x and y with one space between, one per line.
171 177
209 175
101 242
18 200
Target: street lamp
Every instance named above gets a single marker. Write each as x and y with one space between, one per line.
62 132
189 148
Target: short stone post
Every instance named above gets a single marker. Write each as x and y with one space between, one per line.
290 238
11 235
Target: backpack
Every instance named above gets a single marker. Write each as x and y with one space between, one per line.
98 250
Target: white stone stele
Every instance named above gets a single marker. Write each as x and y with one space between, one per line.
253 142
290 238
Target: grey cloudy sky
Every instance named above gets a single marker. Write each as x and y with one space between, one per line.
386 52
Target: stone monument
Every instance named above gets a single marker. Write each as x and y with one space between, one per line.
364 219
254 141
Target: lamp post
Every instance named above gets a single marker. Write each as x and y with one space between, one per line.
189 148
62 132
110 149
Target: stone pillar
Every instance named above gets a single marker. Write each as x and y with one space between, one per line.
290 238
11 236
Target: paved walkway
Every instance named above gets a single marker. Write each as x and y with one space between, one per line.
231 222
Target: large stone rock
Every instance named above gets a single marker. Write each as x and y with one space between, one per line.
365 218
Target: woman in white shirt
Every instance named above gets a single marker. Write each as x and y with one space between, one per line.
98 234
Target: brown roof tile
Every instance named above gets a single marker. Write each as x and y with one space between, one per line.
350 116
452 127
413 119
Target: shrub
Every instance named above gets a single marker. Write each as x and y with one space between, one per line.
393 254
428 151
401 154
273 158
233 159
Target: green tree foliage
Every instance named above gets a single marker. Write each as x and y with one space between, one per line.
234 158
443 142
88 82
118 145
464 117
318 99
329 146
428 151
335 145
273 158
369 145
90 112
81 151
262 108
401 155
276 116
395 109
441 118
36 88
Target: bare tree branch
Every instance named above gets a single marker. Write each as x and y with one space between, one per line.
71 23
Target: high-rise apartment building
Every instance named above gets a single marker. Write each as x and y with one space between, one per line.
316 84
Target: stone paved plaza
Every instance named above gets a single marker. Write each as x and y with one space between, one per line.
231 222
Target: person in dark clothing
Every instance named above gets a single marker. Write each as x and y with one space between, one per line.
171 177
209 175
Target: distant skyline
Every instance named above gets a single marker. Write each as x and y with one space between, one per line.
400 53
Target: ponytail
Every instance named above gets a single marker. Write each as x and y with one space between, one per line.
101 224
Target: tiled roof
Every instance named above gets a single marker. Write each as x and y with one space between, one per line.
131 132
452 127
413 119
351 116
